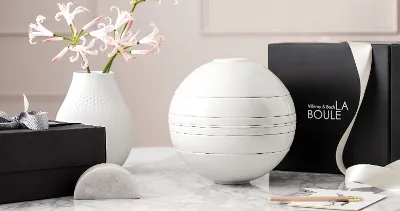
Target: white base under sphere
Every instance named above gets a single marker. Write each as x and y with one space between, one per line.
232 121
230 169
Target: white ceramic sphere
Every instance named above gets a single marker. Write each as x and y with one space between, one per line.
232 121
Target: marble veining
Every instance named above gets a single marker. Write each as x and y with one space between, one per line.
165 183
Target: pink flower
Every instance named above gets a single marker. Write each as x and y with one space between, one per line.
82 50
40 30
153 40
102 33
117 42
69 17
123 18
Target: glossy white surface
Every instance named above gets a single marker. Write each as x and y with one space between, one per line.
166 184
232 78
233 130
232 107
232 168
232 144
228 98
189 120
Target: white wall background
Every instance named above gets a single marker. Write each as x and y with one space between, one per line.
196 31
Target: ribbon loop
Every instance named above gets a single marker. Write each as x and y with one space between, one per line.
383 177
34 120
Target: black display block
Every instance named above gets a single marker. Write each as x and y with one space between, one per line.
46 164
326 74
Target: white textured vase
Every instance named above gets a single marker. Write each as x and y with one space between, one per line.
94 99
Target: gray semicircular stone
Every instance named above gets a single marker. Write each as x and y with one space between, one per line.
106 181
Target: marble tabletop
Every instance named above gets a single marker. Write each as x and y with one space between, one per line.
166 184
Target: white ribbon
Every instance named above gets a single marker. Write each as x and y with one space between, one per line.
388 177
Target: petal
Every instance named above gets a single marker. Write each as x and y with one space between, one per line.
126 31
31 41
61 7
126 36
114 7
74 58
155 30
38 26
143 52
53 39
74 27
91 44
91 23
77 11
112 53
117 36
83 41
94 53
134 36
38 34
104 47
129 25
103 29
127 43
156 50
58 15
123 17
31 37
40 19
85 63
60 55
33 26
126 56
69 5
102 25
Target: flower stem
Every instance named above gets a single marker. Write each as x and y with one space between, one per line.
65 38
72 30
81 33
109 63
88 69
135 3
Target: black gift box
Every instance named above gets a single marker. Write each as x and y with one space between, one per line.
46 164
326 74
